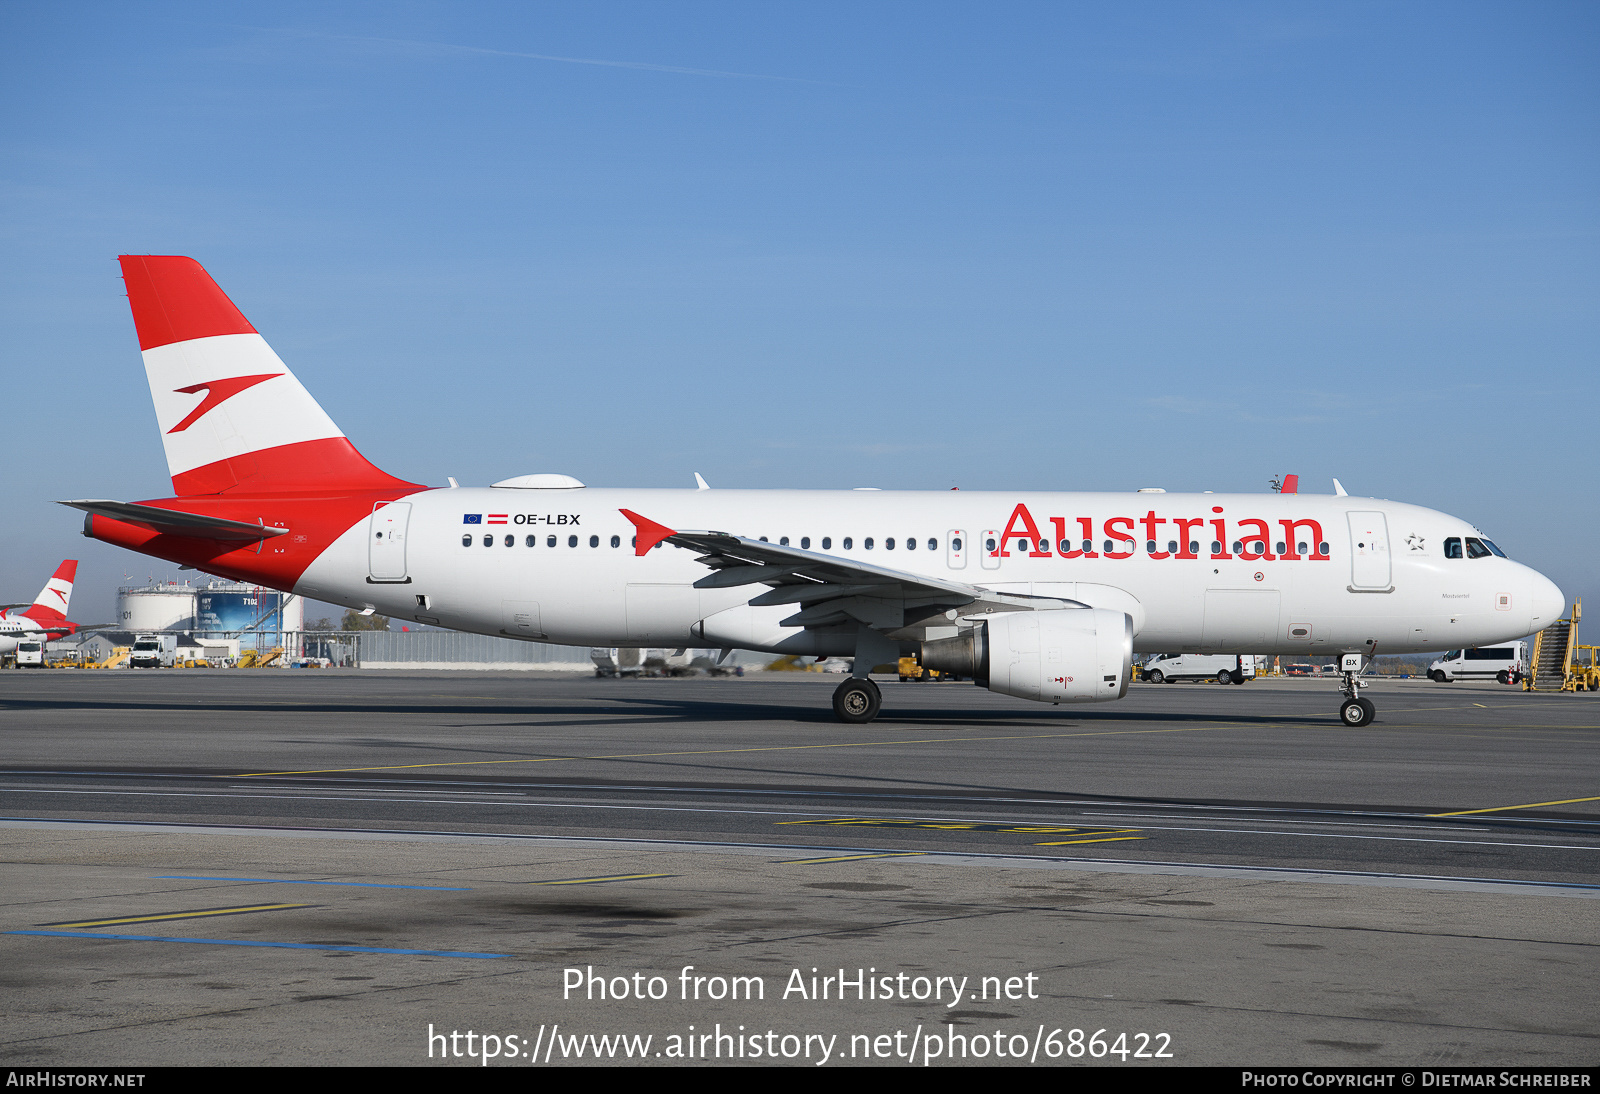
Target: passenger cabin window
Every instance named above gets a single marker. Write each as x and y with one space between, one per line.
783 541
572 541
805 543
888 544
466 541
616 541
846 543
594 541
550 541
867 543
933 544
488 541
827 543
511 541
1452 547
532 541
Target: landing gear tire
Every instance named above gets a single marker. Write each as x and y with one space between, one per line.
1155 677
1356 713
857 701
1224 677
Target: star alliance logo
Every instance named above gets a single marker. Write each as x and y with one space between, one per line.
1416 542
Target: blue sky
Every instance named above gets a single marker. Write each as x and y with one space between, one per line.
1041 246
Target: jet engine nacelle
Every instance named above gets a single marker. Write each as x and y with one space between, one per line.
1062 655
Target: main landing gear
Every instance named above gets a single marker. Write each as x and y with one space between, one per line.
857 700
1354 711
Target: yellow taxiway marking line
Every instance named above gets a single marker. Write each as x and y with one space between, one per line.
197 914
1503 808
594 880
722 751
847 858
1107 839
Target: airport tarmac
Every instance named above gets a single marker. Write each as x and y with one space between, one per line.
285 866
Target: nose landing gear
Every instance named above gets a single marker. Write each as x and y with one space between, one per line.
1354 711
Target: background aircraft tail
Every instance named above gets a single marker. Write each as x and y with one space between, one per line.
51 604
233 417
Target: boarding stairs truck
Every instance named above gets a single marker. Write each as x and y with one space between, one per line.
1555 665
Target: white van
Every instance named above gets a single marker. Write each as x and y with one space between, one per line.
154 651
1224 668
30 653
1507 664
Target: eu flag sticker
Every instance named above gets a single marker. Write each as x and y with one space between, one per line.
471 518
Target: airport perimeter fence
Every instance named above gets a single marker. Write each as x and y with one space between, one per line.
436 650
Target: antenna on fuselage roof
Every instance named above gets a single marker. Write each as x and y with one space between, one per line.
700 483
1339 491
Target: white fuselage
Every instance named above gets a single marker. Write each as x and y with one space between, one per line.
1384 584
15 628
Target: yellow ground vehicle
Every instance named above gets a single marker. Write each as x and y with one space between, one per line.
1555 665
909 669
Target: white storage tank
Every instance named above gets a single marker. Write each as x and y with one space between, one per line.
164 607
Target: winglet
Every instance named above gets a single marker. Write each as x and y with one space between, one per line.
650 533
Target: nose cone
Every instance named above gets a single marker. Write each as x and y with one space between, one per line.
1546 601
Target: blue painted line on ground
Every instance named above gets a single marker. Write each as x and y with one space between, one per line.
292 881
265 945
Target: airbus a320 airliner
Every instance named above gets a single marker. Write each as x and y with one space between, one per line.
1042 596
46 618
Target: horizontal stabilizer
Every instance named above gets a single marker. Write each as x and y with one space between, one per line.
173 523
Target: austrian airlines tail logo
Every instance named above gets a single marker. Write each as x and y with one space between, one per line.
217 393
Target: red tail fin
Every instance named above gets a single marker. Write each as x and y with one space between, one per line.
52 602
232 415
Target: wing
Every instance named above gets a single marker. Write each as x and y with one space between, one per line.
828 590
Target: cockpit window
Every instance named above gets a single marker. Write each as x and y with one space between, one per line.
1452 547
1489 543
1476 549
